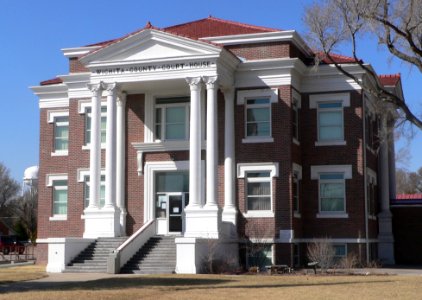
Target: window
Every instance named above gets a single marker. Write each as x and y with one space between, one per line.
60 197
332 189
371 193
296 255
259 255
258 188
296 104
330 119
331 192
340 251
258 191
258 117
172 118
88 124
295 192
86 191
61 134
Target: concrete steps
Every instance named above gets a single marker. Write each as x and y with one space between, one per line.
94 258
157 256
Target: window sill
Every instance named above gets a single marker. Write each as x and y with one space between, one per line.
251 140
88 146
297 215
259 214
58 218
60 153
332 215
295 141
330 143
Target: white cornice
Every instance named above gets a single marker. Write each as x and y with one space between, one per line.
254 38
51 96
78 51
77 84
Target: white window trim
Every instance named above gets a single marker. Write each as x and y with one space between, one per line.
50 178
273 168
83 105
314 100
82 173
297 169
242 96
51 119
296 98
347 174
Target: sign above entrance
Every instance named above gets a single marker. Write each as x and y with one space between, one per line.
156 68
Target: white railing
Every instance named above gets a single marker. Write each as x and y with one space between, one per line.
125 251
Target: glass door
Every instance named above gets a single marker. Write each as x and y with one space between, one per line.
175 211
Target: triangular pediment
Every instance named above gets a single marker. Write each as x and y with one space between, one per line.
150 44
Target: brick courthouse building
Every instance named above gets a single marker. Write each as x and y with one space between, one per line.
212 131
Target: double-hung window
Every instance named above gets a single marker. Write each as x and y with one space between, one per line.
88 117
60 121
330 121
258 117
332 189
86 191
61 134
257 114
330 117
296 177
258 179
340 251
58 183
258 191
332 193
172 118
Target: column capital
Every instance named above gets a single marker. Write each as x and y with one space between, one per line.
95 88
194 83
111 88
210 81
121 98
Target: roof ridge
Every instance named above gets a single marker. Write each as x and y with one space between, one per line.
224 21
396 75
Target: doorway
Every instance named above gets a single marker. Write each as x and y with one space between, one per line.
171 198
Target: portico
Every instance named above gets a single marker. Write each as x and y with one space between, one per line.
187 68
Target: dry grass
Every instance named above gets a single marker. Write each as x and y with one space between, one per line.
229 287
23 273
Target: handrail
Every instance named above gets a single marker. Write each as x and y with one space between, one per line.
125 251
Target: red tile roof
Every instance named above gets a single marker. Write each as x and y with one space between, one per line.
337 58
389 79
409 197
212 26
56 80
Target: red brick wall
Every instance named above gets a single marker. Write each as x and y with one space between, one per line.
75 66
261 50
351 154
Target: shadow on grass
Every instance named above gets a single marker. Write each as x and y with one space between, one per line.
159 282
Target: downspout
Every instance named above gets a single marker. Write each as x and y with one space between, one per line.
365 177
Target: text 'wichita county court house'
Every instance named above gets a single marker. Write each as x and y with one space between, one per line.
211 133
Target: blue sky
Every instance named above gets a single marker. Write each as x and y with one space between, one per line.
33 32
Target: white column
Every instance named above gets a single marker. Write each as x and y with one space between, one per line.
110 188
95 146
120 160
212 141
229 156
385 235
195 142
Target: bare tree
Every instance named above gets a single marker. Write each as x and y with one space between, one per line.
396 24
9 189
408 182
323 252
24 209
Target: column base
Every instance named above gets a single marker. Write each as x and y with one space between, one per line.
197 255
229 221
385 238
103 222
202 222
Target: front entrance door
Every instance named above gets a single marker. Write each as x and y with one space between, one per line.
171 196
170 212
